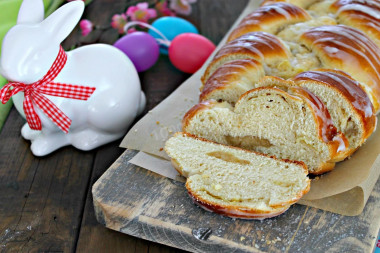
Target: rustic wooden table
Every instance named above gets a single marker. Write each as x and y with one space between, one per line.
46 203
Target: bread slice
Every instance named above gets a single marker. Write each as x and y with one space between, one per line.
236 182
349 105
292 124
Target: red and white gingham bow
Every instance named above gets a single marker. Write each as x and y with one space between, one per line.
34 93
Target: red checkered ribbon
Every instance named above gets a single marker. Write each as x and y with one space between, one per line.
34 94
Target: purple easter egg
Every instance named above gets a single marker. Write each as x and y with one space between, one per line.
141 48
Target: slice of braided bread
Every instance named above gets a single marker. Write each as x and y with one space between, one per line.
236 182
349 106
289 123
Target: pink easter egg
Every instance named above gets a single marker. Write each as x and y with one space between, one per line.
188 51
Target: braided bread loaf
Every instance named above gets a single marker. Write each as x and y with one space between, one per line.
329 49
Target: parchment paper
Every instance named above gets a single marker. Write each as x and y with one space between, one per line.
345 190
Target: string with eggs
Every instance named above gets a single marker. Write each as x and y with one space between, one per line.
187 51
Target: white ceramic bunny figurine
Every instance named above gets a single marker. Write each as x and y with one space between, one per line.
28 52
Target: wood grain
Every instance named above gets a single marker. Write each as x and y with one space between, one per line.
141 203
41 198
157 83
46 203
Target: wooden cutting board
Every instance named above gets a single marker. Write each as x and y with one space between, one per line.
140 203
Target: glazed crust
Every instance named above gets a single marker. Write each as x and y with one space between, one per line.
343 84
328 133
260 46
360 15
343 47
230 72
270 18
347 49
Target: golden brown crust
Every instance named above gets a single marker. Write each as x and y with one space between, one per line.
360 15
270 18
195 110
260 46
228 73
257 44
350 89
337 142
350 50
234 211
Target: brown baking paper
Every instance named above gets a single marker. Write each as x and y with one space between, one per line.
344 190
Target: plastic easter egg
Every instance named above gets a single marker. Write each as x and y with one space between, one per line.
171 27
141 48
188 51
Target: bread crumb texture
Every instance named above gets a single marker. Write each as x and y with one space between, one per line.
234 178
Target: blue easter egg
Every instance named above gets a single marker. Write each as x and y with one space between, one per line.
171 27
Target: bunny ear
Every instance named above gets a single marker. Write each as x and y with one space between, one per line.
31 12
61 22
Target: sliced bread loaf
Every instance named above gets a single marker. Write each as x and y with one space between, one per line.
236 182
349 105
290 123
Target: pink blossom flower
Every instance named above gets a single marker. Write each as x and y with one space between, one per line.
141 12
182 6
118 22
162 7
86 26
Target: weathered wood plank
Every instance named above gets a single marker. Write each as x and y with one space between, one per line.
41 198
140 203
157 83
93 237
